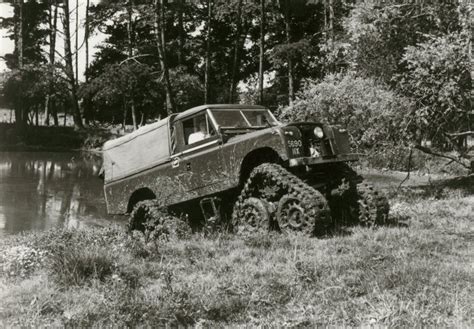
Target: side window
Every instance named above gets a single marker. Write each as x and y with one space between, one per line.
197 128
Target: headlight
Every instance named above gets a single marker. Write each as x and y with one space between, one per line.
318 132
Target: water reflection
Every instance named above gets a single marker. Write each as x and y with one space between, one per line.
40 190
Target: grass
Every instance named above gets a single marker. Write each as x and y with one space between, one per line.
416 274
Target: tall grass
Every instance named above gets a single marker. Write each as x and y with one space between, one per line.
420 274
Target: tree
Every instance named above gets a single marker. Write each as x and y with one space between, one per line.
438 78
207 63
262 52
380 32
69 71
27 89
52 22
287 18
159 25
119 85
235 60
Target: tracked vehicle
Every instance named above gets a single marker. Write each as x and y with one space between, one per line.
237 166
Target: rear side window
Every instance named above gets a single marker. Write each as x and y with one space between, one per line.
197 128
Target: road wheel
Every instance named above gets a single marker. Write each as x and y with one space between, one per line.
252 215
296 214
291 215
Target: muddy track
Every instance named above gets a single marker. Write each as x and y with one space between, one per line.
373 205
271 182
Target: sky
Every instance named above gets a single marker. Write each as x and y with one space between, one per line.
7 45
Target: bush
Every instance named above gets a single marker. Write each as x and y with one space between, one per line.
371 112
21 261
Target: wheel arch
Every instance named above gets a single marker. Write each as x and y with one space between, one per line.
141 194
255 158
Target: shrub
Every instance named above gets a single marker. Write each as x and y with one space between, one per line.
371 112
21 261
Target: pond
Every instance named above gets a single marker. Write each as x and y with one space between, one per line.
41 190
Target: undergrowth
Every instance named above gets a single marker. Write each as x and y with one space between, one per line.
416 274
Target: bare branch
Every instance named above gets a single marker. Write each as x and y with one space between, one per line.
431 152
134 58
408 169
461 134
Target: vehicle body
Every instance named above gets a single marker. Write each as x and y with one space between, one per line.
210 151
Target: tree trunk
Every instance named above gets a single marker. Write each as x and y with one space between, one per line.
262 52
88 114
69 68
54 113
465 17
20 117
76 57
134 115
181 38
86 38
19 36
46 110
160 44
130 34
208 53
291 91
53 18
125 110
233 79
331 21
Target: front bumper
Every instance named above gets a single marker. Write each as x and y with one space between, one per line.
308 161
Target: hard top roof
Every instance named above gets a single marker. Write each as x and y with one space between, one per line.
197 109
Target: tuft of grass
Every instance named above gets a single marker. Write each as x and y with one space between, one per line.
74 266
418 274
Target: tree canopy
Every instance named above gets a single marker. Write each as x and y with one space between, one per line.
404 67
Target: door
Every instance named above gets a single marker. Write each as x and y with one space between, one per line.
197 157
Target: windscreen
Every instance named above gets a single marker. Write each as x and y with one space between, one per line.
244 118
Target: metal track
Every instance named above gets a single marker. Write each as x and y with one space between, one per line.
271 182
373 205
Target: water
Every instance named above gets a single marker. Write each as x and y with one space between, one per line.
41 190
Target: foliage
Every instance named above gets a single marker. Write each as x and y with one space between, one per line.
372 114
188 90
379 32
438 79
21 261
121 84
28 88
34 32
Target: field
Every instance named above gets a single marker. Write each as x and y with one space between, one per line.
417 271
